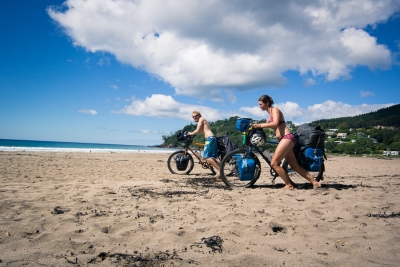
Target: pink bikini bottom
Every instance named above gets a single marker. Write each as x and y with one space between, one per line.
289 136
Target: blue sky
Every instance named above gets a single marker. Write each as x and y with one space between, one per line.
128 72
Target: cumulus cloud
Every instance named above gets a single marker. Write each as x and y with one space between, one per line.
204 47
164 106
326 110
88 111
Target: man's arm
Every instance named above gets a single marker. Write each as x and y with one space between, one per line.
199 127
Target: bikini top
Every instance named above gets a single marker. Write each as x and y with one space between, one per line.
271 119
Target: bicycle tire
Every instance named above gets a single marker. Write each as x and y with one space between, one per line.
172 164
229 172
320 173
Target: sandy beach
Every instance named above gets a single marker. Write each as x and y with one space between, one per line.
127 209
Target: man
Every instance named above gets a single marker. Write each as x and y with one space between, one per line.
210 147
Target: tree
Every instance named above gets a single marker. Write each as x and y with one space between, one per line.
330 146
395 146
365 143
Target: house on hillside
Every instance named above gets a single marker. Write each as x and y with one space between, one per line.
342 135
384 127
390 153
330 133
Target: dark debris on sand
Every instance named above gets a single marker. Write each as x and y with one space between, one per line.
141 192
384 215
213 242
138 259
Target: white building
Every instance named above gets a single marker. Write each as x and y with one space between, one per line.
390 153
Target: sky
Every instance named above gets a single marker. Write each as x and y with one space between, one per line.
131 71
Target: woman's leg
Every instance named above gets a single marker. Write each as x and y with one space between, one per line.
291 159
284 147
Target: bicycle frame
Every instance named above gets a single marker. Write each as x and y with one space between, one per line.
204 163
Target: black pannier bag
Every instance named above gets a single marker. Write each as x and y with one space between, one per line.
221 147
224 145
181 162
181 136
310 136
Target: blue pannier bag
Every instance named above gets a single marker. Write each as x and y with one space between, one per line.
312 158
245 167
243 124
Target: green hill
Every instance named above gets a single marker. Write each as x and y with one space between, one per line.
385 117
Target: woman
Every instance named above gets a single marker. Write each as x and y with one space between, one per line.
286 140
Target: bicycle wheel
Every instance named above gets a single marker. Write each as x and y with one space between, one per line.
173 167
292 174
229 170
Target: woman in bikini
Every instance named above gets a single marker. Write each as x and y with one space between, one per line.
286 140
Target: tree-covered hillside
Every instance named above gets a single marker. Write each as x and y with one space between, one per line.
385 117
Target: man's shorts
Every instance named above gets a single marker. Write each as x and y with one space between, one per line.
210 148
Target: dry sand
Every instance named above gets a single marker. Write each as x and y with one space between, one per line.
122 209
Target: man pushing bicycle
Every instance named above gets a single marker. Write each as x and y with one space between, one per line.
210 147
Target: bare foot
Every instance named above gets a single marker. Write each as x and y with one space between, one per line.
288 187
316 185
218 178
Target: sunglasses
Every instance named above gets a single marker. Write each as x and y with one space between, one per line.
195 116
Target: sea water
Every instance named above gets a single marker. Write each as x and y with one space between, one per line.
51 146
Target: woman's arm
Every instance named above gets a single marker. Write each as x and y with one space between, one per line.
277 117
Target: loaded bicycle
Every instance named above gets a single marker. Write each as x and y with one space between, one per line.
242 166
182 162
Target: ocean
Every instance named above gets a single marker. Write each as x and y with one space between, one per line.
50 146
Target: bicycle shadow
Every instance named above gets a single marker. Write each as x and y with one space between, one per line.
203 181
308 186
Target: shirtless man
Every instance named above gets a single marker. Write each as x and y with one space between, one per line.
210 147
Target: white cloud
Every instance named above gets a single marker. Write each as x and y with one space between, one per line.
149 132
327 110
309 82
201 47
366 93
113 86
163 106
88 111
